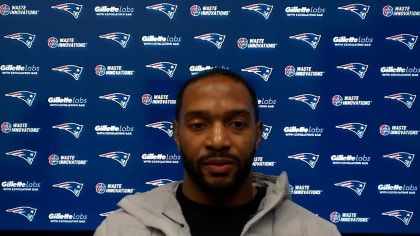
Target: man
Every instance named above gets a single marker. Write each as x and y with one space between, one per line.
217 132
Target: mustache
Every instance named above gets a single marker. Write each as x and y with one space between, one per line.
215 154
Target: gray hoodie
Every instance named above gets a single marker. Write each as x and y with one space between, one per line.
157 213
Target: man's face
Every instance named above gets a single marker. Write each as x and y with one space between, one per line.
217 134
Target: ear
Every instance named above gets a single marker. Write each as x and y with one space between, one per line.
259 130
176 134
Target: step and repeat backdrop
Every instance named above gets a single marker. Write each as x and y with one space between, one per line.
88 92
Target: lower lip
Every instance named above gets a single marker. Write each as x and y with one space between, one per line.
219 169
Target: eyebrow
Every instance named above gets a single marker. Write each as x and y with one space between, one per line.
234 112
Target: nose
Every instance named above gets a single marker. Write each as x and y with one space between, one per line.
218 137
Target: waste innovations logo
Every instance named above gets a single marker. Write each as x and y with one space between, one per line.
357 68
338 100
197 10
72 70
308 99
102 188
267 103
25 38
214 38
114 10
11 69
118 156
67 218
309 38
165 66
294 131
18 10
73 187
347 217
157 99
309 158
405 98
165 8
121 130
302 71
262 71
73 128
403 157
400 71
159 182
71 8
304 190
359 9
165 126
20 186
118 37
403 215
398 130
101 70
25 211
397 189
260 162
357 128
351 160
266 131
25 154
256 43
26 96
160 158
260 8
7 127
408 40
304 11
160 40
65 160
354 185
352 41
389 11
54 42
119 98
67 101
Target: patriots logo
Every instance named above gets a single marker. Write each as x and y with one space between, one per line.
310 38
262 71
358 68
406 98
355 185
159 182
119 98
25 154
309 158
356 128
404 157
403 215
165 126
120 157
72 70
25 38
73 128
165 8
167 67
359 9
118 37
73 187
310 99
214 38
266 131
26 96
27 212
72 8
407 39
263 9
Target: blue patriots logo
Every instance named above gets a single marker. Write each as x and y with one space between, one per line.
404 157
214 38
166 8
359 9
159 182
25 154
165 126
26 96
119 98
266 131
309 158
25 38
406 98
310 38
121 38
356 128
358 68
310 99
73 128
167 67
261 8
72 8
120 157
403 215
72 70
355 185
72 186
408 39
263 71
27 212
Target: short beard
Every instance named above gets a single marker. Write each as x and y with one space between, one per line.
244 169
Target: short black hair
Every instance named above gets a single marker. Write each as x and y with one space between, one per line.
217 71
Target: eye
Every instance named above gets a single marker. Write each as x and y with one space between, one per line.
238 124
197 126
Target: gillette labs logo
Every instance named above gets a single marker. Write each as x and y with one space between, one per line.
114 130
67 218
397 189
153 40
153 158
20 186
353 160
344 41
19 69
266 103
67 102
114 11
400 71
259 162
294 131
304 11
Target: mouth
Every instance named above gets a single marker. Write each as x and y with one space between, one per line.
218 165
